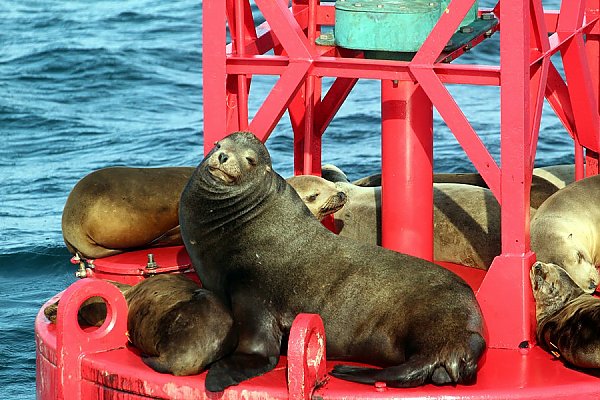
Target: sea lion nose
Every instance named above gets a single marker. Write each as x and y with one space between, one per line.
223 157
592 286
342 196
538 266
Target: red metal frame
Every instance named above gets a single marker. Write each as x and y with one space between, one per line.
525 76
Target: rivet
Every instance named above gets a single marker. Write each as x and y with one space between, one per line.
466 29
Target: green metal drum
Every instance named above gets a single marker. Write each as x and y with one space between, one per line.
389 25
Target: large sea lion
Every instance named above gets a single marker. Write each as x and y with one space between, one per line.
113 210
116 209
567 317
255 244
179 327
566 231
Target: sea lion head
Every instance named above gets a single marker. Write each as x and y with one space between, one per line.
321 196
237 158
566 249
552 288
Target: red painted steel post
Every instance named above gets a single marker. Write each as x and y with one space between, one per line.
306 356
592 48
407 168
214 74
505 294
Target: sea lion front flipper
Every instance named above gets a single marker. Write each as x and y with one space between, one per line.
236 368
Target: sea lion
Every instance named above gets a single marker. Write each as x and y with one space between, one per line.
466 220
116 209
256 245
540 190
322 197
567 317
559 175
179 327
333 174
565 231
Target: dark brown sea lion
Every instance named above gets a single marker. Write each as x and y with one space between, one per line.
568 319
255 244
116 209
179 327
566 231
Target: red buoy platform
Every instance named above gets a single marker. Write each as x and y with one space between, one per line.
98 363
76 363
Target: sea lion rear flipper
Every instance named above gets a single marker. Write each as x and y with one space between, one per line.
410 374
236 368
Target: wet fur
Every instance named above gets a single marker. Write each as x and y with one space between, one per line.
262 251
568 319
117 209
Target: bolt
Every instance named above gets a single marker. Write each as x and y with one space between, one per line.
151 263
487 16
380 386
466 29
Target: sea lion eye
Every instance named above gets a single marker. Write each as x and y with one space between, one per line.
579 257
312 197
251 160
217 145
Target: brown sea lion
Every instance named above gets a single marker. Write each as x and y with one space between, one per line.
261 250
179 327
116 209
567 318
466 219
320 196
566 231
559 175
540 190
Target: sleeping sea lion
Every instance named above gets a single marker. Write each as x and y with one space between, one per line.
179 327
566 231
255 244
567 317
116 209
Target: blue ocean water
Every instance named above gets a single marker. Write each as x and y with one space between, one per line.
90 84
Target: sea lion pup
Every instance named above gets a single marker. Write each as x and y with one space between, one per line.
540 190
116 209
179 327
320 196
565 231
567 317
256 245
